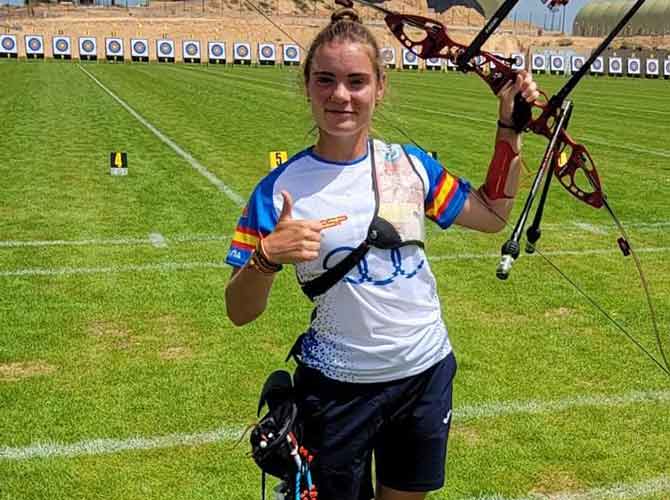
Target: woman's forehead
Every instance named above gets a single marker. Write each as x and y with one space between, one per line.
343 56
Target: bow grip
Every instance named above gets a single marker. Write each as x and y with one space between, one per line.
521 114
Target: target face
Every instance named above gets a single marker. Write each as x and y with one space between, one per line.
140 47
217 50
634 66
652 67
191 49
34 44
518 60
538 61
579 63
557 63
434 60
597 65
8 43
291 52
615 66
410 57
62 45
88 46
165 48
242 51
267 52
114 47
388 55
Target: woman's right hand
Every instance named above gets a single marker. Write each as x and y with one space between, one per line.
293 240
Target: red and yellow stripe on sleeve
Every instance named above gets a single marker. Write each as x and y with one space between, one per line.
245 239
444 192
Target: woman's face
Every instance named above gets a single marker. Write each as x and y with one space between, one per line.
343 88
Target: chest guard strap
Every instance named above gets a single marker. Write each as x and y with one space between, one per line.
399 213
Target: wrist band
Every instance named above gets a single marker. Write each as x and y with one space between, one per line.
260 262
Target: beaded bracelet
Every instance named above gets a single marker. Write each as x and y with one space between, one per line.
260 261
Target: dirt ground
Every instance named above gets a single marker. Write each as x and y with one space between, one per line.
229 21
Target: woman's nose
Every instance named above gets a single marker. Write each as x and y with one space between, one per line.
340 92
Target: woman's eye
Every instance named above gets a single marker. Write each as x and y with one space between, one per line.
323 80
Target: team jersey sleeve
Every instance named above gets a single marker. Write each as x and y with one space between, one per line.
445 193
257 221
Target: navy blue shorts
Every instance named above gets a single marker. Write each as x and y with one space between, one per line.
405 422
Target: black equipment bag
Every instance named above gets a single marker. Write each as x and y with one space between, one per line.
273 438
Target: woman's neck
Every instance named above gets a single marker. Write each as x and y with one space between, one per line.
341 149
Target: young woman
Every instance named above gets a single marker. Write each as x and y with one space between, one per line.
375 367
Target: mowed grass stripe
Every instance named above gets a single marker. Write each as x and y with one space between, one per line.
230 125
59 182
199 167
463 414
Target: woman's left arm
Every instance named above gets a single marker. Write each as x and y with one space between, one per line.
488 208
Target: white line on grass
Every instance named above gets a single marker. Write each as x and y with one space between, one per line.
618 491
201 169
595 140
591 228
226 434
107 446
180 266
110 241
69 271
158 240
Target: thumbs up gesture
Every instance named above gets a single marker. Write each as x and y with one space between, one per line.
293 240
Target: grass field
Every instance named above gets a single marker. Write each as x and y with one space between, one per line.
121 377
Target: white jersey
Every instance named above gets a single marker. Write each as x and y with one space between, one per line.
383 320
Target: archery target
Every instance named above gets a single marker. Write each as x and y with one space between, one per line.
165 49
615 66
598 65
190 50
291 53
576 62
8 45
652 67
267 52
557 63
633 66
88 47
409 59
114 47
539 62
388 56
61 46
519 61
216 51
34 45
666 68
139 47
242 51
434 63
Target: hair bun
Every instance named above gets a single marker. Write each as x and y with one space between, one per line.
345 14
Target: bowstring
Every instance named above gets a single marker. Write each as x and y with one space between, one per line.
566 277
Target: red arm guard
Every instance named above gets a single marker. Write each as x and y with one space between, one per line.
496 178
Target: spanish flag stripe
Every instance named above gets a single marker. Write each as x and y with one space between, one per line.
443 192
245 238
243 246
447 198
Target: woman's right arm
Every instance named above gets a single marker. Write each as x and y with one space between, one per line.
247 294
292 241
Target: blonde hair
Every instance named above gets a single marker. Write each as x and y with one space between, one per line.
345 24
